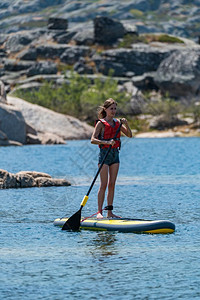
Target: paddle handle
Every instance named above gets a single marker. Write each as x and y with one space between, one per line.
99 169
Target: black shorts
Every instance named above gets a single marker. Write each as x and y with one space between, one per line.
112 158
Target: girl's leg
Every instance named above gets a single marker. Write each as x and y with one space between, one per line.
102 188
113 171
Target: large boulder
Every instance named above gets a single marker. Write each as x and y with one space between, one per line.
179 74
57 23
107 31
47 121
12 123
162 122
138 60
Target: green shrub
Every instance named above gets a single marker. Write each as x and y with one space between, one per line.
130 39
166 106
162 38
137 13
165 38
78 98
194 109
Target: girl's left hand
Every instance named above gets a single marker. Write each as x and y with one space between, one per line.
124 121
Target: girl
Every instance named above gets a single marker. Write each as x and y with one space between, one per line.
103 134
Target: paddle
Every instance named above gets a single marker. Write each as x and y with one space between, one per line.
74 221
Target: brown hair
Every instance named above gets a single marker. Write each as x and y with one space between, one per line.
101 109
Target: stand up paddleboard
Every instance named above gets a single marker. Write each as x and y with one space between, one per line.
123 225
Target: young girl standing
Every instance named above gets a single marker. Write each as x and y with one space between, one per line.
103 134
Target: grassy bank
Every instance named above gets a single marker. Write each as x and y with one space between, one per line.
79 97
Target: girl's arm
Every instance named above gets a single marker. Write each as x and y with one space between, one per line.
125 128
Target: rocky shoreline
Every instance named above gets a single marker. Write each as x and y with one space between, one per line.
23 123
28 179
93 44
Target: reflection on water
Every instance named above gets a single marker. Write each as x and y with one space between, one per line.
104 244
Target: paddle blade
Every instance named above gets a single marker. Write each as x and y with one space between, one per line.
73 223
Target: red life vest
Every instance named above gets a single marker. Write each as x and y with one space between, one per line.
109 133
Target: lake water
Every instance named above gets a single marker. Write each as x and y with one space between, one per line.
158 179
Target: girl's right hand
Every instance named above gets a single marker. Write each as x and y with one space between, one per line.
111 142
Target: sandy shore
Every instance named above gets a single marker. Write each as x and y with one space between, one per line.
182 131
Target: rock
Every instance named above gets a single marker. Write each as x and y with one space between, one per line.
34 174
15 66
44 139
17 42
50 50
3 136
3 98
139 60
64 37
23 7
12 123
28 179
33 139
32 86
44 182
28 54
107 31
24 181
8 179
82 68
183 15
130 28
108 65
35 81
179 74
73 53
3 38
145 81
85 37
30 129
57 23
4 141
11 78
137 103
47 121
162 122
42 67
9 143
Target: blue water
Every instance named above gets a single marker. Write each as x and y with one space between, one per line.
158 179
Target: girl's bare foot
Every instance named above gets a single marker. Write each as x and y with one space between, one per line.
111 215
99 216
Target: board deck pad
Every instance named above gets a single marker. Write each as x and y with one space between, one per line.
123 225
